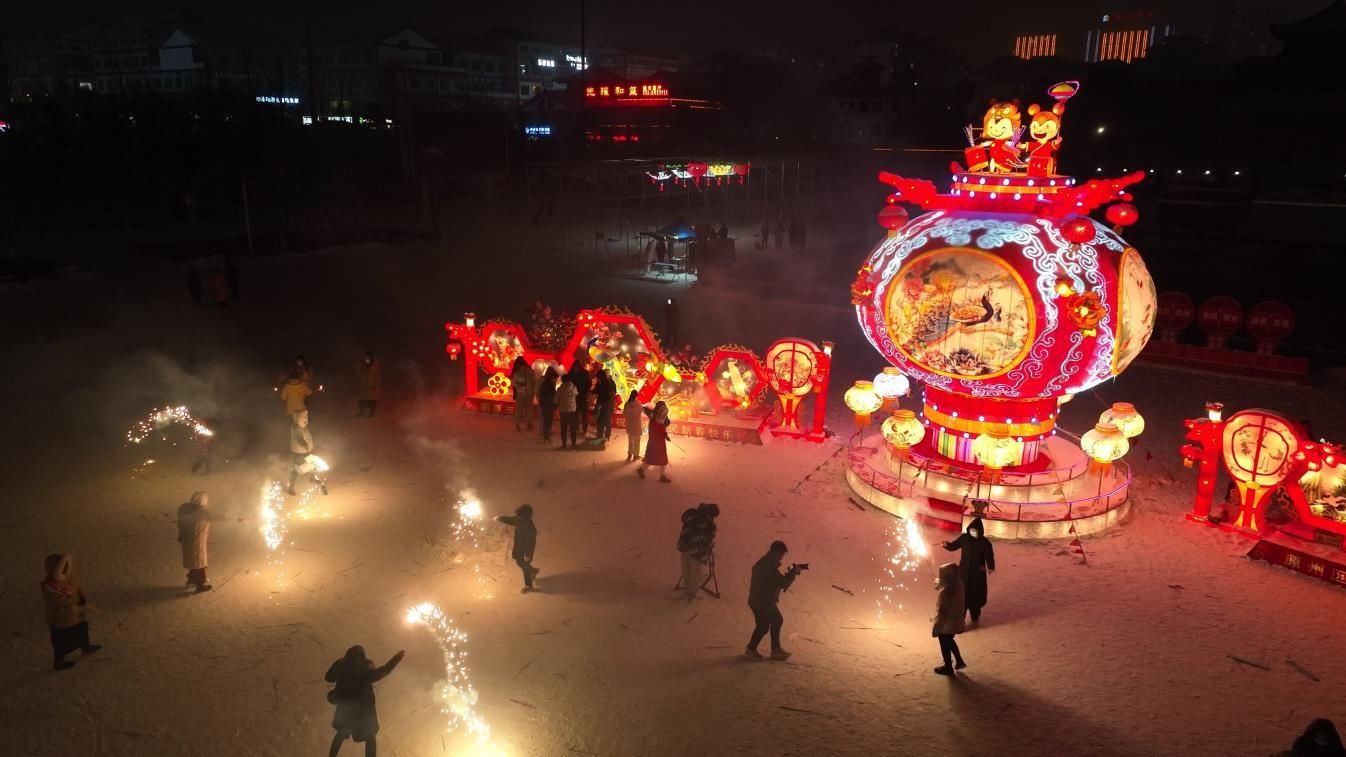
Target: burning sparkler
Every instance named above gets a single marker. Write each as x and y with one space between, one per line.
275 522
457 698
909 551
160 419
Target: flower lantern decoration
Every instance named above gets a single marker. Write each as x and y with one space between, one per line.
454 349
863 401
1260 449
1125 417
1104 444
793 369
891 384
1086 310
903 430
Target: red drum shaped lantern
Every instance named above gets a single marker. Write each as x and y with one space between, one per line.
1176 311
1220 317
1270 322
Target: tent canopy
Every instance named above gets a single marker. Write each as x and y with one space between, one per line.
677 230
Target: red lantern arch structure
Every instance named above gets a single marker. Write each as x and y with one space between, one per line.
1003 297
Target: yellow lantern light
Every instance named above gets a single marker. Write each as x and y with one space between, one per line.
1123 415
903 430
996 449
1104 444
891 384
862 400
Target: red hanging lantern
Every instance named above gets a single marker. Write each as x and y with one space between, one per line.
893 217
454 349
1078 230
697 170
741 170
1123 214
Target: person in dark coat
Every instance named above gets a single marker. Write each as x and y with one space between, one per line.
661 251
695 542
763 595
948 620
579 376
977 558
766 234
605 393
723 233
525 541
546 401
356 717
1320 739
64 602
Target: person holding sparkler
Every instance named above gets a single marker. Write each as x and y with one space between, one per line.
976 559
356 717
301 446
295 393
949 618
656 449
525 541
193 535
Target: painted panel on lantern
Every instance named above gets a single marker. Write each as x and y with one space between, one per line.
791 365
1258 446
960 312
1139 305
502 347
1325 491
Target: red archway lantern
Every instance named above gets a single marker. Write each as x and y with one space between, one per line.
893 217
1078 230
1122 214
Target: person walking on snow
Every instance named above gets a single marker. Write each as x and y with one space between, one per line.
605 393
64 602
204 444
975 561
523 382
301 446
193 535
525 541
764 596
949 618
369 385
695 542
356 716
635 417
656 449
546 402
295 393
567 400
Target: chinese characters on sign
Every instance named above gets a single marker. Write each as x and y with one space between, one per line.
628 93
274 100
1322 568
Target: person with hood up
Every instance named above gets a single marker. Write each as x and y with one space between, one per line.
64 602
301 445
523 382
764 596
567 400
695 542
976 559
356 716
305 370
193 535
1320 739
546 402
656 449
949 618
635 417
605 392
295 393
525 541
369 386
579 376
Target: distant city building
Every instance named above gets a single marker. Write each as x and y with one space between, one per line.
1127 37
631 64
1035 46
540 61
47 63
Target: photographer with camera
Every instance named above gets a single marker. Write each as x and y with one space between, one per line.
763 594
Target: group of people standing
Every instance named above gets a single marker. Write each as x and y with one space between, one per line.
795 233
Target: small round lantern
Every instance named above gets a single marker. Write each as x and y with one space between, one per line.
454 349
862 400
903 430
892 218
891 384
1078 230
1122 214
1104 444
996 449
1123 415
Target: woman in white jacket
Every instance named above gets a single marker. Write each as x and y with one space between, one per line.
193 534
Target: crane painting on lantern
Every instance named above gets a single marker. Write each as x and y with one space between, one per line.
960 312
1139 306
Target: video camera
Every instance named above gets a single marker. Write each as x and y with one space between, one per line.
797 568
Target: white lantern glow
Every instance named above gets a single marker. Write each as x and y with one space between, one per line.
1105 443
1123 415
891 384
862 400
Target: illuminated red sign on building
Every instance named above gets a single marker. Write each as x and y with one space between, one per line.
627 94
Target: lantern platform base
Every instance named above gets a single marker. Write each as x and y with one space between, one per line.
1023 505
1313 560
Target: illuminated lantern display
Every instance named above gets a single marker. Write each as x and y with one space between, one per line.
454 349
891 384
1259 448
996 449
1269 323
1121 215
697 170
863 401
1220 317
892 218
1104 444
741 170
903 430
1176 311
1078 230
1124 416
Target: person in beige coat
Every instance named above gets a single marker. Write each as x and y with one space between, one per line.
193 534
64 602
949 611
295 393
635 417
369 382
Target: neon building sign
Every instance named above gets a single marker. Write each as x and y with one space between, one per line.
627 94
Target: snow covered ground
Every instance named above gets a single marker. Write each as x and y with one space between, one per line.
1127 655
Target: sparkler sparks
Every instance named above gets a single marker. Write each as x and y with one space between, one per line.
909 551
457 698
160 419
275 522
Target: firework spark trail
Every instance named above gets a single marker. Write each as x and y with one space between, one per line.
457 698
160 419
469 537
275 521
908 553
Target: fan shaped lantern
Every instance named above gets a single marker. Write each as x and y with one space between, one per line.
863 401
903 430
1125 417
891 384
1104 443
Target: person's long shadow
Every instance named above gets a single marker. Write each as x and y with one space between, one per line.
132 598
600 586
983 709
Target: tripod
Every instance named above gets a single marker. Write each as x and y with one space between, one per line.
711 579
